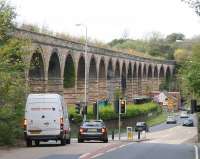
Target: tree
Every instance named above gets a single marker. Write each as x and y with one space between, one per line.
12 77
181 55
194 4
174 37
7 14
189 73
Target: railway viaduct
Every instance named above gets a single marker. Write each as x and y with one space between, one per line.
58 65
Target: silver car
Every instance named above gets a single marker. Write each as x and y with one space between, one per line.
171 120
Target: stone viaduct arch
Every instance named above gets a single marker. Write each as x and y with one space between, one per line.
57 65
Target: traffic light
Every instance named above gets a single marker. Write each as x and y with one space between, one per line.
95 108
78 108
123 106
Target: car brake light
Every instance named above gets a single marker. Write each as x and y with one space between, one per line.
61 123
81 130
103 130
25 124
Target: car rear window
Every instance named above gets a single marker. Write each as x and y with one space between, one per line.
92 124
140 124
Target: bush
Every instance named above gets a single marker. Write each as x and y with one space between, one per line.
108 113
10 128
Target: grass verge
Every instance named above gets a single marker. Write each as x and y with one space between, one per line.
158 119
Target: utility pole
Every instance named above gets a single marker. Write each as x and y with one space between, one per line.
86 41
119 119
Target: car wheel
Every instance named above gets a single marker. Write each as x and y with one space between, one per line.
37 142
28 142
68 141
80 140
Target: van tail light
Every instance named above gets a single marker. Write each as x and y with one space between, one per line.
81 130
103 130
61 123
25 124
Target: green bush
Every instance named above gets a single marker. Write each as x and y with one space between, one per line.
108 113
10 128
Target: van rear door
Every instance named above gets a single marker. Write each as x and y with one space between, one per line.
43 118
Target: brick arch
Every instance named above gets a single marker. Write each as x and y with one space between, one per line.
37 65
93 68
130 71
161 72
123 76
134 70
155 72
117 69
81 68
69 72
110 69
54 68
168 72
144 71
150 71
102 68
139 71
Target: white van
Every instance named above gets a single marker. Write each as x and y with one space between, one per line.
46 118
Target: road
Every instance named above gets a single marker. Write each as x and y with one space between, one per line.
164 126
151 151
164 141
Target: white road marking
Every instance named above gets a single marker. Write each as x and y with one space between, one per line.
122 146
97 155
196 152
129 144
107 145
112 149
84 155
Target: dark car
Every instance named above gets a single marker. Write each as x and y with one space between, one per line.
93 130
141 126
188 122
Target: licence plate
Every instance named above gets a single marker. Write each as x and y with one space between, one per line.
92 130
35 131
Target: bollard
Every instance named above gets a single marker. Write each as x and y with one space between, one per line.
138 134
113 135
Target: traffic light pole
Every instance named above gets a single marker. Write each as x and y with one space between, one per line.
119 118
97 109
84 115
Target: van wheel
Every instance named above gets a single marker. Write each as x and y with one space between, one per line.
63 142
68 141
105 141
37 142
28 142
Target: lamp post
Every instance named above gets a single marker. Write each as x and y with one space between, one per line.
86 41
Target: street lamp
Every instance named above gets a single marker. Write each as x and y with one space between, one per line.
86 41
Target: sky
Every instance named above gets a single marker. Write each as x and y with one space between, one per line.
110 19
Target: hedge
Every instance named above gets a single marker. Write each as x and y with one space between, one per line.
108 113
